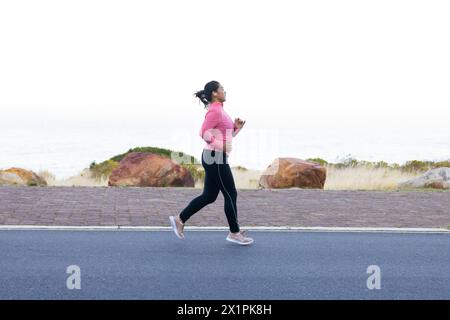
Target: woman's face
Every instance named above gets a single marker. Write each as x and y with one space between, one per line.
220 94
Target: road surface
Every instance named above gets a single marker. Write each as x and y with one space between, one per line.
279 265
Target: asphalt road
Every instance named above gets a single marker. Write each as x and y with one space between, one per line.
279 265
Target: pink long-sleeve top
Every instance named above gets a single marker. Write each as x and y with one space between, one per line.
218 128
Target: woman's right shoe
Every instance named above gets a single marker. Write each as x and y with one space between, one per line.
177 226
239 238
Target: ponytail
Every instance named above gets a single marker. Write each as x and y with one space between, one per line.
202 96
205 95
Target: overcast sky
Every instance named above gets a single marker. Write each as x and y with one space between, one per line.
283 63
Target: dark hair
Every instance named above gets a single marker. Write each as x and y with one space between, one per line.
205 95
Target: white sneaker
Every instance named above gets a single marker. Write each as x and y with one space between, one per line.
177 226
239 238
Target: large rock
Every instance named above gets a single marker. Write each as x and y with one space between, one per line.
292 172
438 178
22 177
146 169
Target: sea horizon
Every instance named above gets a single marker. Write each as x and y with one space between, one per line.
66 148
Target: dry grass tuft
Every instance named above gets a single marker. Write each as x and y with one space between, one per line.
365 178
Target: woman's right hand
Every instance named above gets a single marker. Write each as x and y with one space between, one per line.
227 146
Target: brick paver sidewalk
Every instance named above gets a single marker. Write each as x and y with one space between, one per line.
134 206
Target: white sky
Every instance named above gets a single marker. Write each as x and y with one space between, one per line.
282 63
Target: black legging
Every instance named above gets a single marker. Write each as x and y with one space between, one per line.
218 177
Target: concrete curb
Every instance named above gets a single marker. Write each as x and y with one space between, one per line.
221 228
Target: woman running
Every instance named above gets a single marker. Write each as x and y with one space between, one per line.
217 130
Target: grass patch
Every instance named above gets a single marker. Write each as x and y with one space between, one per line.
349 173
364 178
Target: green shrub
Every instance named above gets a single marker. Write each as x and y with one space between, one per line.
347 161
412 166
445 163
318 160
104 169
161 151
240 168
197 172
416 166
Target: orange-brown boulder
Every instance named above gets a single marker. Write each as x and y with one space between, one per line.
292 172
22 177
146 169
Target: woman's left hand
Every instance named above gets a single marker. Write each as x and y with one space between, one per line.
239 123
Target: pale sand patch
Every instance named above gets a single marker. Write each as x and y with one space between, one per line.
246 179
82 179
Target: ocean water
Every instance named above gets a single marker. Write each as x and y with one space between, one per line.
66 150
